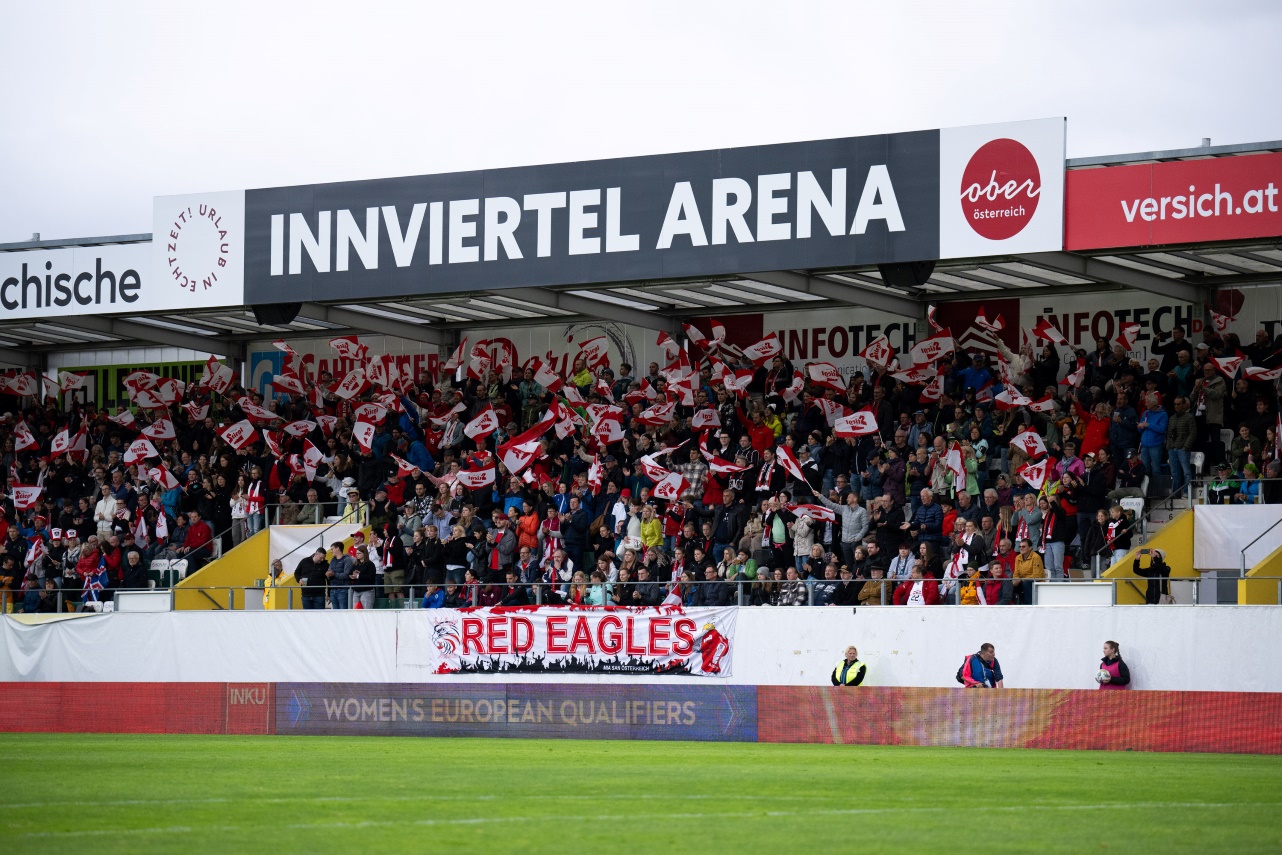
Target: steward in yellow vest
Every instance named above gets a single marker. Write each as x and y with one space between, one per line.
849 671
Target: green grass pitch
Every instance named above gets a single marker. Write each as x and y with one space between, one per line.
194 794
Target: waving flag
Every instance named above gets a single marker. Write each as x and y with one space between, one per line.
25 496
668 345
705 418
994 326
1047 331
826 375
934 389
672 487
485 423
349 347
878 351
930 350
788 459
353 384
595 351
474 480
1029 442
1035 473
819 513
363 433
1126 335
930 319
861 423
240 435
23 438
1256 374
1228 365
1221 322
139 450
124 418
765 350
162 476
1010 399
160 430
312 459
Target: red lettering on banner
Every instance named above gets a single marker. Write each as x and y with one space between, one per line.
610 634
683 629
582 636
497 635
633 649
472 629
659 636
522 635
556 634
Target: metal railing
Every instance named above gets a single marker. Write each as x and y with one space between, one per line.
747 593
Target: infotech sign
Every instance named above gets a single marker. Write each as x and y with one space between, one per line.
833 203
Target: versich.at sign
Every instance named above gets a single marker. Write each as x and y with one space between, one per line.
888 198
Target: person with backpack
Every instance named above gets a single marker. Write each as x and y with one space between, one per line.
981 670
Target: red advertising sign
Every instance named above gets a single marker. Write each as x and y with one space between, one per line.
1228 198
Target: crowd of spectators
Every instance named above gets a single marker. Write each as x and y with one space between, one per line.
768 504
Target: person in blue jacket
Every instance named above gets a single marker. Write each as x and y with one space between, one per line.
1152 427
982 670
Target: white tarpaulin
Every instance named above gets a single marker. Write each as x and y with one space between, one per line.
1039 647
1221 531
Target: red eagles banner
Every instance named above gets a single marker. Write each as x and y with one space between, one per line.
574 640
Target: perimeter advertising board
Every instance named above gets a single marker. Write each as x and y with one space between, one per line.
863 200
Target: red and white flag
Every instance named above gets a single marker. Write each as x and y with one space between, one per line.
139 450
697 338
327 424
994 326
25 496
1076 376
1256 374
349 347
475 479
818 513
917 375
788 460
878 351
312 459
672 487
595 351
659 414
217 377
934 389
69 382
705 418
832 410
1228 365
1221 322
162 476
765 350
1009 398
668 345
485 423
160 430
353 384
197 412
1035 473
37 551
404 468
546 377
719 466
61 442
739 382
162 527
273 438
1030 442
23 438
123 418
595 473
300 428
1044 404
953 460
371 412
1047 331
363 433
1127 332
928 351
861 423
826 375
140 530
288 384
930 319
255 413
240 435
456 358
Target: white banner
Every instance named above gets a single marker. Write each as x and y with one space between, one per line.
47 283
660 640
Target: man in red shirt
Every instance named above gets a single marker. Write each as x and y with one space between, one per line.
199 546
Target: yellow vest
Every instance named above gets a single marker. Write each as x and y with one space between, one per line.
852 673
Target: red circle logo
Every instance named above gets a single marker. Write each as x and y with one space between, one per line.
1000 189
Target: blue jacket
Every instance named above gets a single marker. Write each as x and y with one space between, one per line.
435 600
983 673
1155 433
420 456
1122 433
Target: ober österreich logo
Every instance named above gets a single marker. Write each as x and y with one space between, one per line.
1000 188
197 248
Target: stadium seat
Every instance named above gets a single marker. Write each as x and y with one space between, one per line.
1198 460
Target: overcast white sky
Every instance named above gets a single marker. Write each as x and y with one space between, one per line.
106 105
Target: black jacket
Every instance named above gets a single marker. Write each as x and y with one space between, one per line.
363 575
311 577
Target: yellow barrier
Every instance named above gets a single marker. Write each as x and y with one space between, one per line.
237 569
1175 539
1261 592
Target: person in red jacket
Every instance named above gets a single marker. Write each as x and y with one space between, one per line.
199 544
916 591
1097 424
761 435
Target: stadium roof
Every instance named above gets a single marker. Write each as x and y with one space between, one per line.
1185 272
